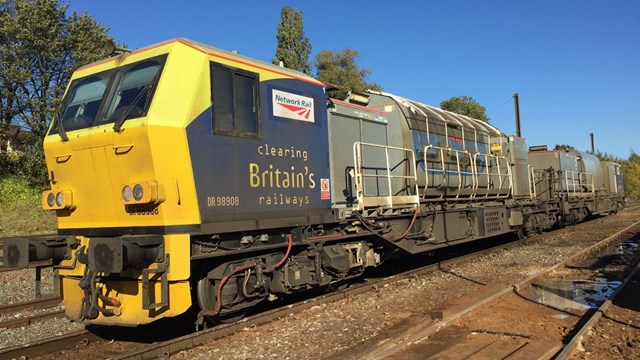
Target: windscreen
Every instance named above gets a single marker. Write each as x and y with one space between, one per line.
110 96
133 92
83 101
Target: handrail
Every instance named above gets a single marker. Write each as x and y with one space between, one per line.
390 200
574 181
532 183
459 172
501 177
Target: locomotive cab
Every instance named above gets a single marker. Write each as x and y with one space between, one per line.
161 147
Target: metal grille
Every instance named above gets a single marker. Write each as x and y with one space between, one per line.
492 221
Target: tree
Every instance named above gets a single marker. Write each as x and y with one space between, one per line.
563 147
603 156
465 105
10 76
340 69
631 171
40 47
293 47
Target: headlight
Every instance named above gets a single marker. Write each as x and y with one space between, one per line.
60 199
127 193
138 192
142 192
51 199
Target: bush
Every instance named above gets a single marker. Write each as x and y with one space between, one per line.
28 163
17 191
20 209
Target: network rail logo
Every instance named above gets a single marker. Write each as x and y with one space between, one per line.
292 106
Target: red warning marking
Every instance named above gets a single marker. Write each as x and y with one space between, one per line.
324 189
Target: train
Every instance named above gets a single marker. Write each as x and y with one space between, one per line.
183 175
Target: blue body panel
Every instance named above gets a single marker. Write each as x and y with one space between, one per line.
278 175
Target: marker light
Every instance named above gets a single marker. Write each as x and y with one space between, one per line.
51 199
127 193
138 192
60 199
143 192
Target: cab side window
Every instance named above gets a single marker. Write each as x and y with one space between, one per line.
234 98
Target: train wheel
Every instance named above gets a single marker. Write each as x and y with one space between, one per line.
207 290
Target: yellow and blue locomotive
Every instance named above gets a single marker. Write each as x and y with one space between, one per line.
182 174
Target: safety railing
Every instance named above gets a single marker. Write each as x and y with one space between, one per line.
545 183
389 182
464 175
578 182
449 163
496 172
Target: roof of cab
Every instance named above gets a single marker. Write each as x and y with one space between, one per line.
216 52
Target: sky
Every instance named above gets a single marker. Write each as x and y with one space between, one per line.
574 63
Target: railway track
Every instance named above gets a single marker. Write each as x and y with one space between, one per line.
42 303
30 306
191 340
28 320
591 320
422 338
32 265
163 349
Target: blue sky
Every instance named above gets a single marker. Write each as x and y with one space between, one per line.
575 64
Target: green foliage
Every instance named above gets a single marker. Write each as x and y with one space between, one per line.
20 209
40 47
465 105
340 69
631 171
293 47
16 190
563 147
603 156
28 164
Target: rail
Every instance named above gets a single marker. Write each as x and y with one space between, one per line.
164 349
415 339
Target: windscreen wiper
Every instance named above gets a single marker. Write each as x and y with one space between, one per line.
117 126
61 131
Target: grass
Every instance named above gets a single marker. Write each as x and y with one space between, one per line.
20 210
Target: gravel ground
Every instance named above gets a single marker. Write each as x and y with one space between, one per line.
38 331
28 312
326 330
617 333
19 285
